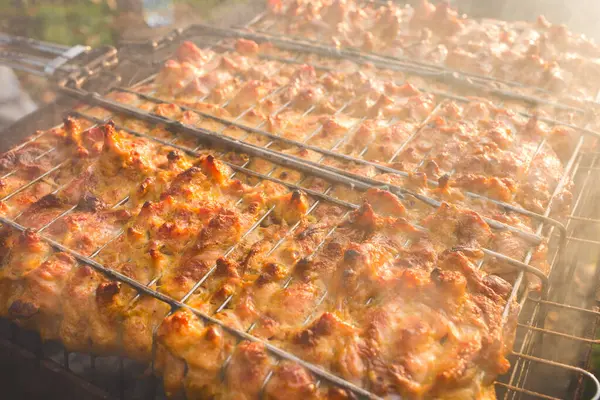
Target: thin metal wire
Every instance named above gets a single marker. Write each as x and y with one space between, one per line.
45 174
559 334
35 180
16 170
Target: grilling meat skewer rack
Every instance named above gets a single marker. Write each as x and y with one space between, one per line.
580 165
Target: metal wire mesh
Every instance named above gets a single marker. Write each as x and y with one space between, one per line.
524 358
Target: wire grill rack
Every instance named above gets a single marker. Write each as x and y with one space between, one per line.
523 359
266 23
534 328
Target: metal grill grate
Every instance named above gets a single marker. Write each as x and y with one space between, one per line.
534 324
523 358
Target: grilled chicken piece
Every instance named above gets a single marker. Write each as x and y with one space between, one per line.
22 254
201 351
291 381
246 371
333 343
453 227
408 346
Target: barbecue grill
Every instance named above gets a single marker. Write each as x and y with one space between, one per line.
556 331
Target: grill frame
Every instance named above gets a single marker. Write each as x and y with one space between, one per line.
90 97
182 35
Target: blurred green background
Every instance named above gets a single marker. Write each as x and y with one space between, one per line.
66 22
91 22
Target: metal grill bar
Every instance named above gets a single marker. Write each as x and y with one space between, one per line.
560 334
578 201
593 313
581 240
